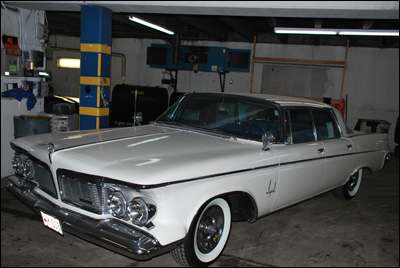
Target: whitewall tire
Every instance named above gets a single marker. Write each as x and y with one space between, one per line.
207 236
351 188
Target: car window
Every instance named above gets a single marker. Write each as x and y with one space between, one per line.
325 125
230 114
301 126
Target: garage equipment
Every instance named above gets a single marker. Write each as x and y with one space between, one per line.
220 60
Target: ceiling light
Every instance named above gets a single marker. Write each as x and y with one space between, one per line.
69 63
305 31
321 31
151 25
370 32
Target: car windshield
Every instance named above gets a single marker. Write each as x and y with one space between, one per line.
233 115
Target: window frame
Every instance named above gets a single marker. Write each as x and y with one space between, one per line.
286 112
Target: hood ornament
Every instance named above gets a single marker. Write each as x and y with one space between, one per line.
51 149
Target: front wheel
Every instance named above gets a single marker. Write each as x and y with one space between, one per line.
350 189
207 236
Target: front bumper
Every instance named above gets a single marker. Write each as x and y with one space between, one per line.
109 233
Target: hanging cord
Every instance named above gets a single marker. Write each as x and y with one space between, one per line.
103 95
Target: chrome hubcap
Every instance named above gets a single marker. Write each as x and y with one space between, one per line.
210 228
352 183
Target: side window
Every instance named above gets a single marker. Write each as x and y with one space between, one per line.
301 125
325 125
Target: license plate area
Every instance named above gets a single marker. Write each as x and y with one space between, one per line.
52 223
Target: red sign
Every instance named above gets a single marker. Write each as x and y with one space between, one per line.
11 45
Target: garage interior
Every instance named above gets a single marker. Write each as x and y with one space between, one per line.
357 72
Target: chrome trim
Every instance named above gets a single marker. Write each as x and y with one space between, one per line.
113 234
82 181
269 189
39 167
51 149
267 139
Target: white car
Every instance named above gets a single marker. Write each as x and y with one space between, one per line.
178 183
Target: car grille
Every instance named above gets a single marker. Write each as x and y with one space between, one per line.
89 195
44 179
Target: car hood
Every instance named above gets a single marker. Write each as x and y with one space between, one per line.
146 155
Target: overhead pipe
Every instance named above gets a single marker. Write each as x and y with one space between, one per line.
120 55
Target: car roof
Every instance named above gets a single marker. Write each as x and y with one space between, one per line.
287 100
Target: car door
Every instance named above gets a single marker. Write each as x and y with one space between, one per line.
338 150
301 160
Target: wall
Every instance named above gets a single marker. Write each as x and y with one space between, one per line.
23 25
371 83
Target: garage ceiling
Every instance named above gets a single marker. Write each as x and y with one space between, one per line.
233 21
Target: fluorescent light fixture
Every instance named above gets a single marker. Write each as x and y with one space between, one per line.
370 32
69 63
151 25
304 31
44 74
320 31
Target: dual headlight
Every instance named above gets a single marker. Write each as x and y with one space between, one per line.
137 210
22 165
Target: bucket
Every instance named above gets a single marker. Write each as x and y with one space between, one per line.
27 125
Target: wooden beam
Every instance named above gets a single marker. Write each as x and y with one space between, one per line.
329 62
344 71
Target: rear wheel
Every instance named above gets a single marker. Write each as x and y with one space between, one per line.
350 189
207 236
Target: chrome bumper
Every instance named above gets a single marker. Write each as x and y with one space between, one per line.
109 233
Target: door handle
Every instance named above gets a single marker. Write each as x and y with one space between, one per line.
349 146
321 151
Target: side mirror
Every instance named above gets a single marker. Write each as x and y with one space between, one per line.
138 118
267 139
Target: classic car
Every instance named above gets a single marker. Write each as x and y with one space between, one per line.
179 182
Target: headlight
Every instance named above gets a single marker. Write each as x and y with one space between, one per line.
138 211
117 204
17 162
27 169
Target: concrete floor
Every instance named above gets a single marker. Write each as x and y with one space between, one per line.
323 231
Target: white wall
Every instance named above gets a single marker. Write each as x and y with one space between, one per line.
24 26
371 83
